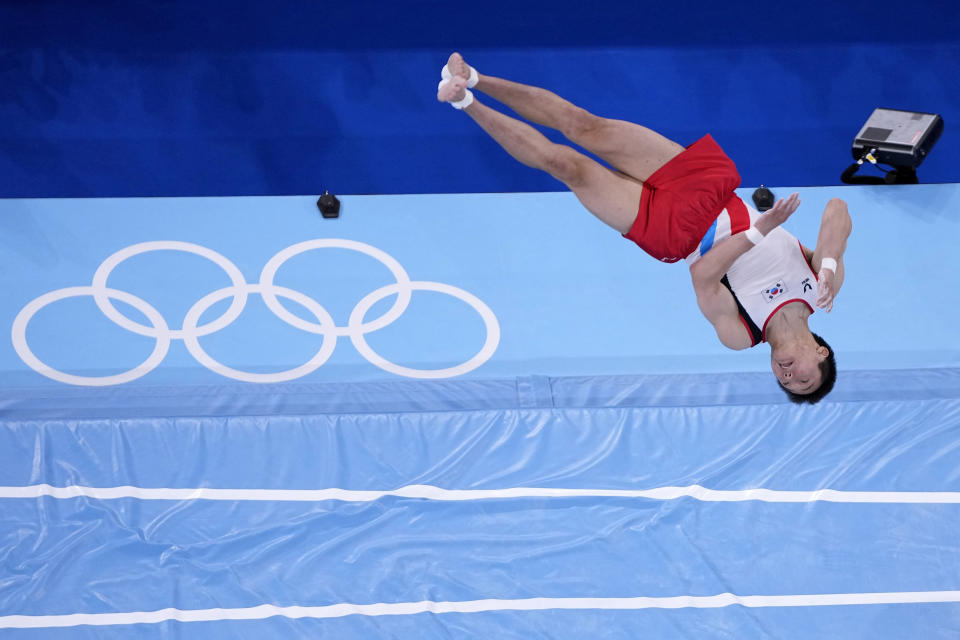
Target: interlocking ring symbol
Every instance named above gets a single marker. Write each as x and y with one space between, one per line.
356 328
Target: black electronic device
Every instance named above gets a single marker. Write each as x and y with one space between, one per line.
897 138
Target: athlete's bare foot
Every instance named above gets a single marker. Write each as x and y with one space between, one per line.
457 66
452 90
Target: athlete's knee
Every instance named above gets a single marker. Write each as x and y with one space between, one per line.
565 164
582 125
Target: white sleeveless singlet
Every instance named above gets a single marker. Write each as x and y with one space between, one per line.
770 275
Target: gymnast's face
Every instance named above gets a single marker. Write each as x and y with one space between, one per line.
798 368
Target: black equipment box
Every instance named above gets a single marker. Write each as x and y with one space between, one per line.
901 138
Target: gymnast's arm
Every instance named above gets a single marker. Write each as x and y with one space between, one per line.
715 264
714 299
835 228
718 306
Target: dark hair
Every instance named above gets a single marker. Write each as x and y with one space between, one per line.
828 376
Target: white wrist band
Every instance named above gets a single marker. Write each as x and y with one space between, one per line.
828 263
471 81
466 102
753 235
460 104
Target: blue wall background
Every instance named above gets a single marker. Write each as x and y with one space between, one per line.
293 97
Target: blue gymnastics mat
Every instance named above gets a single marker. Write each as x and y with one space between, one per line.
472 416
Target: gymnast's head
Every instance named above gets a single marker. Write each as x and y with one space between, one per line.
806 371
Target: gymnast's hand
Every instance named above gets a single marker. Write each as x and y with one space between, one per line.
777 214
827 291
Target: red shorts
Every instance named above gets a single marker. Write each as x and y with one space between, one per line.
681 200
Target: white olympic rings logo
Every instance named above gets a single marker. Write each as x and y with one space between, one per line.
239 290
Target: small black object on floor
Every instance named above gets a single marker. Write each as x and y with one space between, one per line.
329 205
763 198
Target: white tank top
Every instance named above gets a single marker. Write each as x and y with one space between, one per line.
770 275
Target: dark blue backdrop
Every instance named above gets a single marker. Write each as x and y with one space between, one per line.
291 97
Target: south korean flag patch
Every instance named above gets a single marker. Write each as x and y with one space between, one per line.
774 291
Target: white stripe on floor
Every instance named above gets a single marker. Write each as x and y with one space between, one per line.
475 606
428 492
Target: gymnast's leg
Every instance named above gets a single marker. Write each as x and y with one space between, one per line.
610 196
630 148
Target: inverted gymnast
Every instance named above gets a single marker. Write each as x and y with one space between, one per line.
754 281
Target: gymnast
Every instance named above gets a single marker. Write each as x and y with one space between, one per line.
754 281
